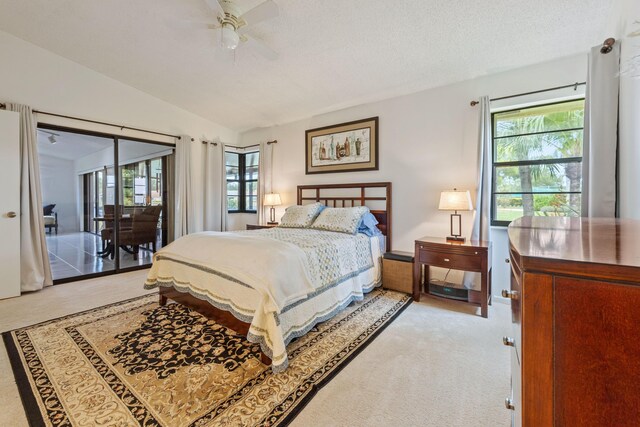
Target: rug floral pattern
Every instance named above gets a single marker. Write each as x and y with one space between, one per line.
135 363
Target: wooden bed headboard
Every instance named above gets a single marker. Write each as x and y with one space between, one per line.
349 195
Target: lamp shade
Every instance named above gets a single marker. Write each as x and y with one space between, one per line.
272 199
455 201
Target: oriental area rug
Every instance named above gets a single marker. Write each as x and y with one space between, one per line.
136 363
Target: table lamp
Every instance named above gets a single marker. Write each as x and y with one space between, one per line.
272 199
455 201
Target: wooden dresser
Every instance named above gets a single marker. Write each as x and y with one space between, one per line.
575 302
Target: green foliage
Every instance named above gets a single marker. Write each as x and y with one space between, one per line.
534 134
509 202
543 200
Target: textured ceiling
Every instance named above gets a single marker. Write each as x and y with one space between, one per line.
333 53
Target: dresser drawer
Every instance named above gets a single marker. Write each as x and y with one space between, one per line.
446 260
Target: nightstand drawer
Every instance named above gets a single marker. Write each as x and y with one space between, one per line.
447 260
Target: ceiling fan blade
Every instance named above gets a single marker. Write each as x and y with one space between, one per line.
215 7
261 48
184 24
266 10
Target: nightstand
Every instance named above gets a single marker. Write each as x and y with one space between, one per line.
473 256
259 226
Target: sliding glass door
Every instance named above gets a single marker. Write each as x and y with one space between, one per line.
72 179
108 198
143 198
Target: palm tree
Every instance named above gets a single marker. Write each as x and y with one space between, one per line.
524 146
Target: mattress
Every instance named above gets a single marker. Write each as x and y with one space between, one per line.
282 281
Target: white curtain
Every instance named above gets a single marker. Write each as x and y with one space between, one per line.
35 270
223 189
265 179
215 188
600 152
183 212
481 221
170 209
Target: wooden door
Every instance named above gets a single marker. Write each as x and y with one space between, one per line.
10 204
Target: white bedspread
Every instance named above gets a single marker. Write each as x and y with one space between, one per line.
281 281
276 269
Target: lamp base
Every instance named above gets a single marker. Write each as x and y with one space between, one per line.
272 223
456 239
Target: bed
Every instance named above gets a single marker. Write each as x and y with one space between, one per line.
295 278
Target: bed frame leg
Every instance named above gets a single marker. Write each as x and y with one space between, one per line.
162 300
265 359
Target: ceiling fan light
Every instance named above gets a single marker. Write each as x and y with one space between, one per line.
229 38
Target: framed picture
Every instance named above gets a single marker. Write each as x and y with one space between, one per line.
347 147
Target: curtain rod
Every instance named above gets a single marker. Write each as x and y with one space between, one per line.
607 46
275 141
574 86
122 127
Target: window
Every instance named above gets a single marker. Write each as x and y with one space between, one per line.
142 183
242 181
537 161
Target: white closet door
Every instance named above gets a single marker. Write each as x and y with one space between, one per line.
9 204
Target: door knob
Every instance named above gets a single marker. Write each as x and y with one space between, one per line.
509 294
11 214
508 403
508 341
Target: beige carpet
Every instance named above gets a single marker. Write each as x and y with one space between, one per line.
437 364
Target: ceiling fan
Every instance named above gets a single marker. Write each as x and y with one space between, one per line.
233 25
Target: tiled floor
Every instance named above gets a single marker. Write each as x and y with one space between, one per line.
74 254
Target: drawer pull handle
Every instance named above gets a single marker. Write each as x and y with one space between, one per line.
508 403
509 294
446 259
507 260
508 341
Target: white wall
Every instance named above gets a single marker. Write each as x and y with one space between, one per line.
428 143
58 185
48 82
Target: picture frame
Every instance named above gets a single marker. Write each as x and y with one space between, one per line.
344 147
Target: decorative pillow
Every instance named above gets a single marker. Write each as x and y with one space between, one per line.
368 225
300 216
343 220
